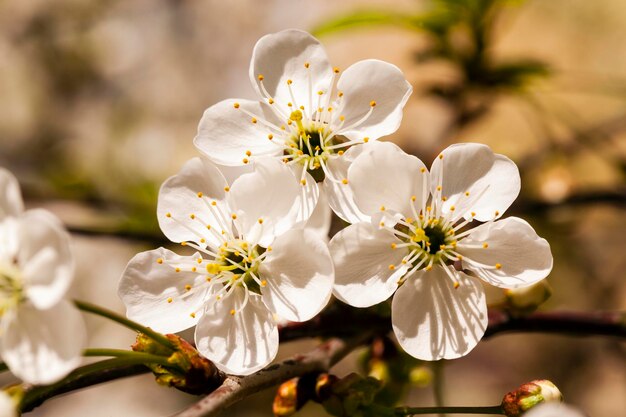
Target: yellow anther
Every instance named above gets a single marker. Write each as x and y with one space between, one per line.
199 260
497 213
366 139
442 247
199 195
439 188
413 198
340 94
344 181
340 153
227 189
342 118
248 153
452 208
336 70
372 103
393 246
428 208
440 156
319 93
303 181
270 136
160 260
307 65
260 77
187 287
192 315
456 285
392 267
428 268
168 214
485 245
213 268
330 109
208 279
459 257
467 193
219 297
473 214
409 219
232 312
177 269
296 116
289 82
253 120
283 127
422 170
498 266
444 198
236 105
260 221
270 101
183 243
245 160
290 104
214 203
301 107
382 208
382 224
269 248
208 226
169 300
203 240
263 283
192 216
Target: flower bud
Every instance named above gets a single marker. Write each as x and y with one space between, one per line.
520 301
294 393
286 399
190 372
517 402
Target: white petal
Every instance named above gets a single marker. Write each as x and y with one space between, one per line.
240 343
492 180
226 134
299 274
184 214
9 239
340 195
432 320
268 201
10 196
43 346
156 295
44 257
385 177
7 406
321 218
524 257
362 254
367 81
554 409
282 56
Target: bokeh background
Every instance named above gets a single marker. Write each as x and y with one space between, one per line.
100 100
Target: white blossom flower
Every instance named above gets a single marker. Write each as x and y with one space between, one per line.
255 263
417 237
42 334
308 114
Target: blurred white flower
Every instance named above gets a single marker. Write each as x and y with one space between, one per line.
7 406
42 334
306 116
255 263
415 233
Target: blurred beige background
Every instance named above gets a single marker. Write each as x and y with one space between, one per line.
99 103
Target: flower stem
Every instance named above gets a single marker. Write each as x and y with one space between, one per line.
94 309
413 411
143 358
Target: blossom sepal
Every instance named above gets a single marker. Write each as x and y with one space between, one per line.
528 395
190 372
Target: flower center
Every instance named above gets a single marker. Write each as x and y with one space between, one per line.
11 290
429 242
239 264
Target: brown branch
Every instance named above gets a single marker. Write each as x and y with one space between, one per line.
573 323
235 389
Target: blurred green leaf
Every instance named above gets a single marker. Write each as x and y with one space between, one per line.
366 18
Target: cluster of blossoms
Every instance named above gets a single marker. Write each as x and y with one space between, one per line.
43 335
260 237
